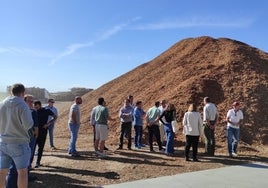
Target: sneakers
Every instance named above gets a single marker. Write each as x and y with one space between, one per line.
137 147
170 154
234 154
101 155
53 148
75 155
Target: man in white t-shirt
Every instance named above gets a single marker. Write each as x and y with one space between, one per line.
234 120
210 118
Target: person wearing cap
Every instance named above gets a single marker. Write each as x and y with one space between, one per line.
234 119
51 126
210 118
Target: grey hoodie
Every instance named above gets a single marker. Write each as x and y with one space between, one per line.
15 121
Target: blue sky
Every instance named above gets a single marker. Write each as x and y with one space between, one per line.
60 44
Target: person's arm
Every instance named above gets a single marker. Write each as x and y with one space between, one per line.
54 117
217 116
92 117
200 125
240 122
206 117
228 119
161 116
184 120
147 119
156 119
35 131
56 113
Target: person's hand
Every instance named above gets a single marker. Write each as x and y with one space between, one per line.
46 125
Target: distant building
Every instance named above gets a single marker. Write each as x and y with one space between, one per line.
39 93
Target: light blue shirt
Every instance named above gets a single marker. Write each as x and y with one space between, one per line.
138 113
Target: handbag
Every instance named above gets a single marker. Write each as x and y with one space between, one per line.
174 126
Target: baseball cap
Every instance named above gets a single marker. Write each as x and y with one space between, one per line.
236 104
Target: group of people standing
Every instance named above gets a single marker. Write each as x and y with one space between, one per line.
159 123
193 127
23 126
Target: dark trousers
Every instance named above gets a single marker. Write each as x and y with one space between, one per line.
125 130
154 130
191 141
209 139
40 141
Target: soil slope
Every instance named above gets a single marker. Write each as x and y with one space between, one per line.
225 70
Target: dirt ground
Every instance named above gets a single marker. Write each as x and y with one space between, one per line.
61 170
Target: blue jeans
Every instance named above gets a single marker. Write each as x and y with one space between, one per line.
74 128
32 145
138 136
50 132
232 139
170 139
19 153
12 176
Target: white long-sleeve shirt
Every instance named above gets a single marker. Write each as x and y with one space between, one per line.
192 124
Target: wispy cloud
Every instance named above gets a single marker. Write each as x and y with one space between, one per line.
197 22
102 36
70 50
25 52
